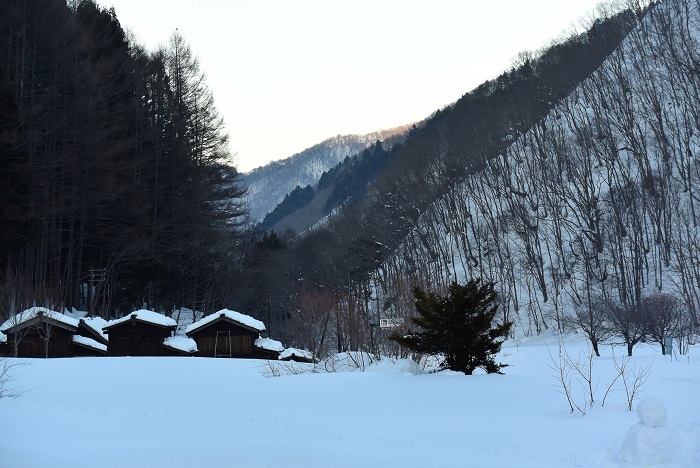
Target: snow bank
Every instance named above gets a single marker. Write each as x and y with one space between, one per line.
269 344
145 316
243 319
399 366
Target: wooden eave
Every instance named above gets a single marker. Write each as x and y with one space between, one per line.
92 348
134 320
38 319
178 350
94 334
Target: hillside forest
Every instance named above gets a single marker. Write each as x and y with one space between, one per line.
570 181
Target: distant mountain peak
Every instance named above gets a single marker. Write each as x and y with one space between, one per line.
268 185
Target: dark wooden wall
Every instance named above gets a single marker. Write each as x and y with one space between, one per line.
31 345
136 339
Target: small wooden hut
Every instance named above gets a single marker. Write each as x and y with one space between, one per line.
226 333
140 333
40 332
267 348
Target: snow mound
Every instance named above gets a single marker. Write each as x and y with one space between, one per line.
652 412
300 353
398 366
182 343
269 344
648 442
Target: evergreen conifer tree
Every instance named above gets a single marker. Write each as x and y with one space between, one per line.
459 327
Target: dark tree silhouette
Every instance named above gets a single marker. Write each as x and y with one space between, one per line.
460 327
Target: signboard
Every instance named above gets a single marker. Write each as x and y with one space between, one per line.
390 323
668 345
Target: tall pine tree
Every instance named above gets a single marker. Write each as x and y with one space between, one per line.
460 327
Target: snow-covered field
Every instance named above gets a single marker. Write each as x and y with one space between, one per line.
183 412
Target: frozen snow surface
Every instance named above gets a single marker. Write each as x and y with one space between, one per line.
243 319
184 412
145 316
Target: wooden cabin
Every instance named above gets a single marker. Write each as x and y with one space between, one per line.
40 332
227 333
140 333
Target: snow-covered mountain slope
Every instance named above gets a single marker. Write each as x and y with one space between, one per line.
599 198
268 185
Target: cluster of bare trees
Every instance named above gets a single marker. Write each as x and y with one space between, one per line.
594 208
115 190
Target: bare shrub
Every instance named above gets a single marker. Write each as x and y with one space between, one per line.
8 375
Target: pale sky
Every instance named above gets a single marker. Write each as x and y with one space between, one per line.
287 74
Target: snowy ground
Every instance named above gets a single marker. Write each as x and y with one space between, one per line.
183 412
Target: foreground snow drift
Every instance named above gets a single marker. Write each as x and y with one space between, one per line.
182 412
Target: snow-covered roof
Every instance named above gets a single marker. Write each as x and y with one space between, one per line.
96 324
33 313
3 338
89 342
146 316
301 353
269 344
181 343
238 317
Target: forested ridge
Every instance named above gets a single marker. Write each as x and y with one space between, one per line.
590 217
116 189
353 256
268 185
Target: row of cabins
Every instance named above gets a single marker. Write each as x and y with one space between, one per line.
40 332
